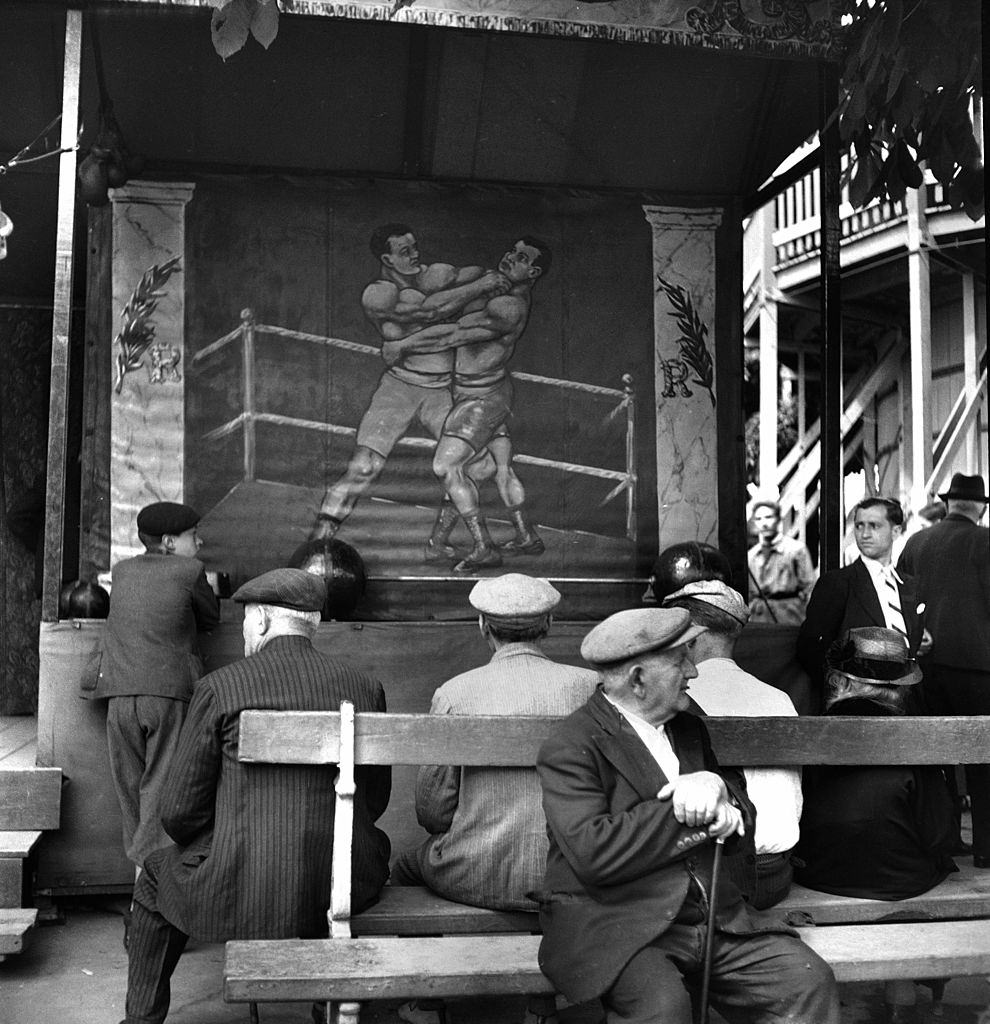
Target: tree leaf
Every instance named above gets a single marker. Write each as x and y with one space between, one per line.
264 24
230 27
907 166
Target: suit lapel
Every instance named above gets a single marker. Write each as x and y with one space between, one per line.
866 593
625 751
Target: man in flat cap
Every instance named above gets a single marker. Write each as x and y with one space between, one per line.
950 562
254 842
488 841
635 802
723 688
150 659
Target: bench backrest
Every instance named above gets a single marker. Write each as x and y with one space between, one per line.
313 737
348 739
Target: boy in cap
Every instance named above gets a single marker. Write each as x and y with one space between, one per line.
780 570
159 602
254 842
488 835
723 688
635 801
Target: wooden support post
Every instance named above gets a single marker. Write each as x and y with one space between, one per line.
831 515
247 375
769 368
61 320
971 369
920 309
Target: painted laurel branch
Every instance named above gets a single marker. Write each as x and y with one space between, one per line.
692 342
138 331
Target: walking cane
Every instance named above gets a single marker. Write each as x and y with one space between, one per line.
706 967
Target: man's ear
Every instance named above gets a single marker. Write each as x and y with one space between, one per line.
634 679
168 543
264 620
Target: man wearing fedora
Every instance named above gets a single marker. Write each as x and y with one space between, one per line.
253 843
879 832
635 803
951 565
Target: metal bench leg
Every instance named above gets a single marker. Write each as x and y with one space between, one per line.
253 1012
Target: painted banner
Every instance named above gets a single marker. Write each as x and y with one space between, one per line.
455 380
797 28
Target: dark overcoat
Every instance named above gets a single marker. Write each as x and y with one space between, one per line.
158 603
846 599
620 864
255 840
951 564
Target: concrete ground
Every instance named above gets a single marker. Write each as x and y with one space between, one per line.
75 972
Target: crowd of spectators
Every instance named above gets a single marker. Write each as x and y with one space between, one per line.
617 835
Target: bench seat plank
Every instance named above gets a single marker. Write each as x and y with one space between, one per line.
964 894
414 910
363 969
891 952
17 843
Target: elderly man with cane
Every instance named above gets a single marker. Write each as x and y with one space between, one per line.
636 804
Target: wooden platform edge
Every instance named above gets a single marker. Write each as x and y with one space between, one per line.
15 925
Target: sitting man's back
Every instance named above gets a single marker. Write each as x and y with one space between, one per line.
254 841
488 835
723 688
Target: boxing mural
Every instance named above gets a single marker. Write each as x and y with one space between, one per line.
450 380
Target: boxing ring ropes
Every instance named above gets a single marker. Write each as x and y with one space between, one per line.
246 420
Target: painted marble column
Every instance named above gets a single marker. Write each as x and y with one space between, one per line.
147 422
684 347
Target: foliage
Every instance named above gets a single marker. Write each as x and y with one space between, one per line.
234 20
692 342
787 436
138 332
911 71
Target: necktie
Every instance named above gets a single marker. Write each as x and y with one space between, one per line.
893 611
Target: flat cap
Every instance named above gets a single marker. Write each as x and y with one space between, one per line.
166 517
636 631
287 588
716 593
513 597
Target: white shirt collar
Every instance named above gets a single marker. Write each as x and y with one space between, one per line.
878 570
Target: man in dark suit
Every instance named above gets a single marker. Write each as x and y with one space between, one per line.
254 841
634 801
150 659
951 565
869 592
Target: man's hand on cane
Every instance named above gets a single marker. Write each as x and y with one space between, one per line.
701 798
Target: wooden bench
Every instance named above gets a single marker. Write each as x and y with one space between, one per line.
415 945
30 801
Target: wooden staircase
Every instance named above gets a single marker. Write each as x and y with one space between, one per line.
30 798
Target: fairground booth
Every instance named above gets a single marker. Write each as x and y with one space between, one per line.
214 338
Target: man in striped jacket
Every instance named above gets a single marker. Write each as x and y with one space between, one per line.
254 842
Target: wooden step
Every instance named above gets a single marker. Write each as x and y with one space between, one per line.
14 847
358 970
18 843
30 798
15 924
